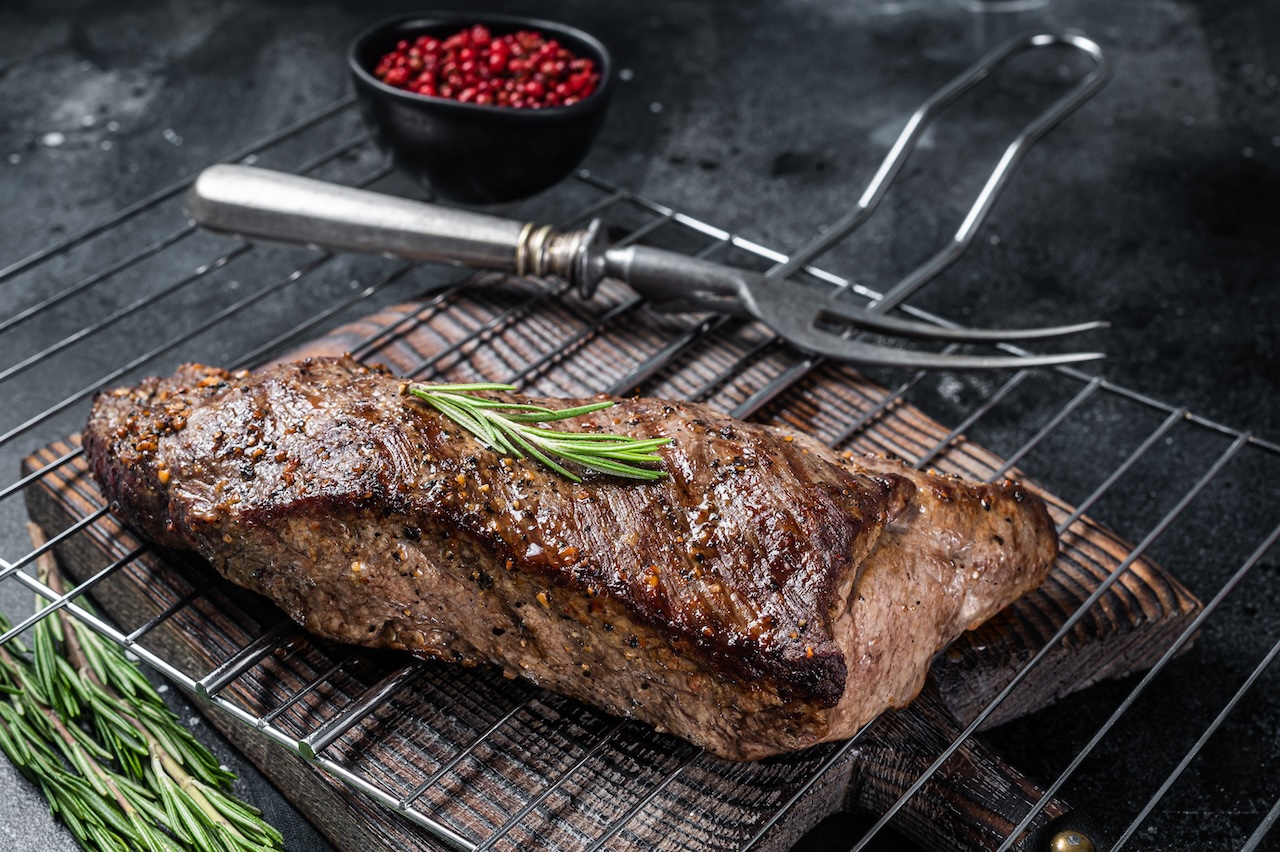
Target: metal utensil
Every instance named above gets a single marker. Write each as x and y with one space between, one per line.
258 204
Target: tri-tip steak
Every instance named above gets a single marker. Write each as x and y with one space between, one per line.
767 594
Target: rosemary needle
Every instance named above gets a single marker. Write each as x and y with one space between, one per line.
509 428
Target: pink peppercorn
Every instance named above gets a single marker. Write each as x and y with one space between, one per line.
522 70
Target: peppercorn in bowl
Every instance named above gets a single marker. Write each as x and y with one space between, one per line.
483 108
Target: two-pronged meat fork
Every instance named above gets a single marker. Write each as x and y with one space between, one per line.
263 205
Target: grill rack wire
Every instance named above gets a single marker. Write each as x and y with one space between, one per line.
62 415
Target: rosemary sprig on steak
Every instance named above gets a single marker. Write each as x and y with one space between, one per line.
507 427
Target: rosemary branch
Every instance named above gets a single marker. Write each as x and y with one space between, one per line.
508 427
115 764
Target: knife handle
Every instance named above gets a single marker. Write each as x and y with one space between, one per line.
261 205
971 804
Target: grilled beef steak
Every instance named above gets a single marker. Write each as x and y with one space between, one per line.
767 595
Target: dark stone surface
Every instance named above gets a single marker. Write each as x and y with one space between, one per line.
1156 206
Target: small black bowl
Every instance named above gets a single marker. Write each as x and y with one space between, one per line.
468 152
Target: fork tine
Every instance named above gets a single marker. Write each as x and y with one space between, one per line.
912 329
795 318
871 355
669 280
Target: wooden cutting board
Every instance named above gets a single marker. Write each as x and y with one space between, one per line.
576 777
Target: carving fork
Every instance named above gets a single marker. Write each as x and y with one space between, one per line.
258 204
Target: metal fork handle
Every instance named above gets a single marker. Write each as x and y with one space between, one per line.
268 206
263 205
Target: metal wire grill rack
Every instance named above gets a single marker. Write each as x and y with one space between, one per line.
168 293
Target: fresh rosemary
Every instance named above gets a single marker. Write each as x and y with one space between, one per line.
117 767
508 427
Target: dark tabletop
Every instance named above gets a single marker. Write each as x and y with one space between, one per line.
1156 206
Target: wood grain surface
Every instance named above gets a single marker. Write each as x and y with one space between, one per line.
470 750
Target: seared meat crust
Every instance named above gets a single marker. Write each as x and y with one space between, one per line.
766 595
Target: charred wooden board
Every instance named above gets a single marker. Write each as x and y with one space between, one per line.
653 781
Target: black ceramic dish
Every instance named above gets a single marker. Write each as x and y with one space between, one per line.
472 153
